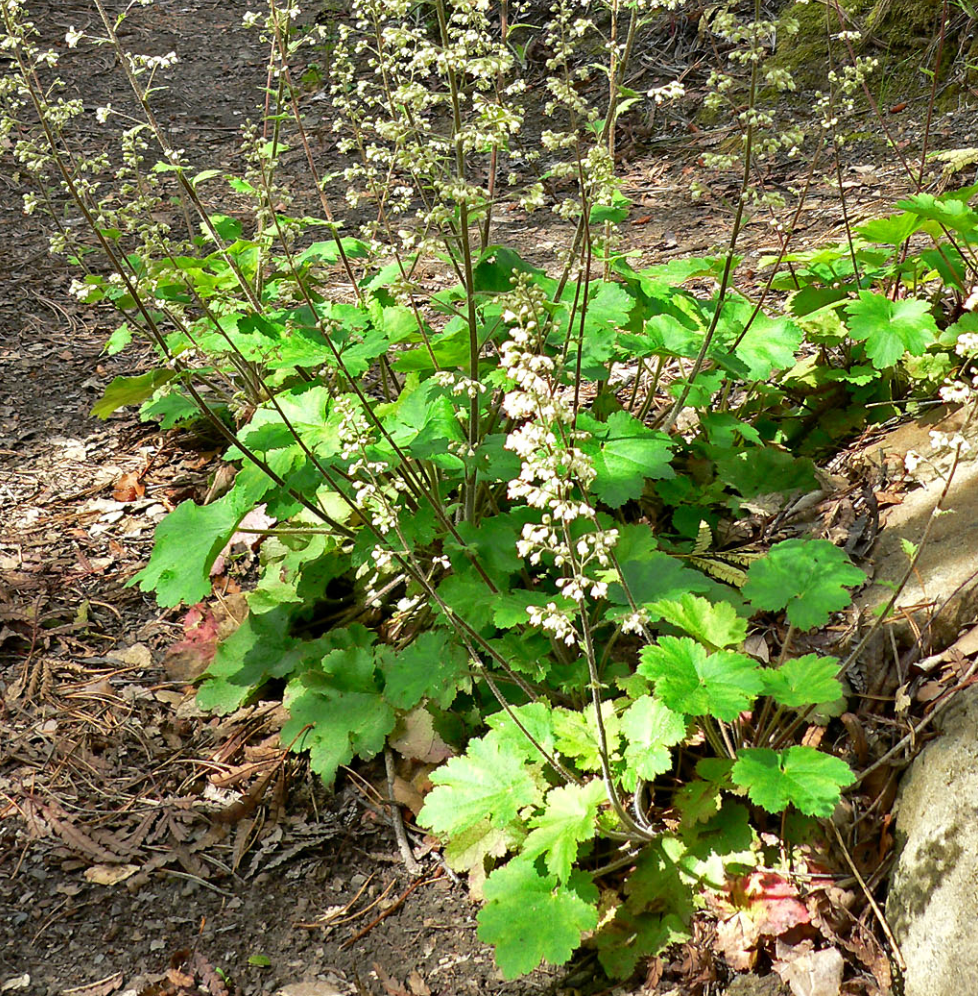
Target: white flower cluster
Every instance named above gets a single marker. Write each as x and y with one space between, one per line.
943 441
459 384
354 429
554 472
153 62
967 344
672 90
956 392
553 620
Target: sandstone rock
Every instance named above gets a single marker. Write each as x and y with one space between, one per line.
934 889
942 595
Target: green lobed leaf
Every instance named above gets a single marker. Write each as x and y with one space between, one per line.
510 608
654 575
759 470
467 850
803 681
807 577
577 734
890 328
568 819
428 667
630 453
713 624
892 230
799 776
188 541
651 729
692 681
341 702
170 409
258 649
530 918
469 598
629 937
491 781
534 717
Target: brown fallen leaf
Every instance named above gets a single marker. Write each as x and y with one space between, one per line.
416 984
110 874
415 738
129 487
204 626
808 972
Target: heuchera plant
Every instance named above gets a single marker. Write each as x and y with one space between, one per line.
478 512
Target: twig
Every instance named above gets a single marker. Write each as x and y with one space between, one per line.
396 905
920 727
877 912
395 818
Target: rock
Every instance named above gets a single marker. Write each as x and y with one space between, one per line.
756 985
934 889
945 580
316 987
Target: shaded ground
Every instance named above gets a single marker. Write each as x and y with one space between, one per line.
120 860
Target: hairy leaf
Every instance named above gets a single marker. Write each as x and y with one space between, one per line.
428 667
693 681
467 851
577 734
535 718
530 918
630 453
651 728
802 681
713 624
130 391
807 577
568 819
188 541
799 776
491 781
890 328
629 937
341 703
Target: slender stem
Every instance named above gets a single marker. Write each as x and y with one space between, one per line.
680 402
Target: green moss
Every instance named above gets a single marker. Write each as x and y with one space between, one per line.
896 32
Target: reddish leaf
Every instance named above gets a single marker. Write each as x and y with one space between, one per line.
129 487
757 906
204 627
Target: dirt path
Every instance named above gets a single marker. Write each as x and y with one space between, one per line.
102 752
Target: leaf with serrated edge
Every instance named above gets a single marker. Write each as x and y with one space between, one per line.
630 454
467 851
535 718
577 735
568 819
529 918
890 328
692 681
802 681
716 625
800 776
491 781
651 728
807 577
